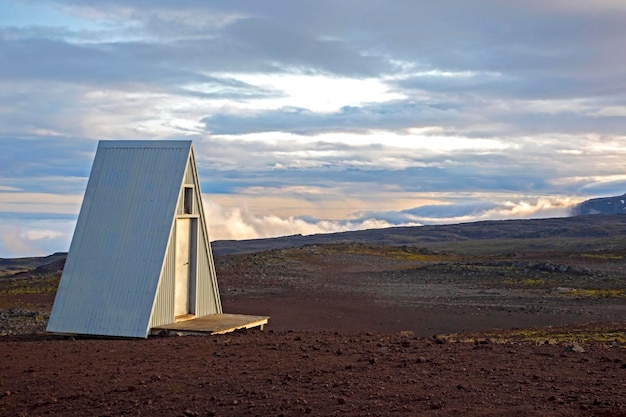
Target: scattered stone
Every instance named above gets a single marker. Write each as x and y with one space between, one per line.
575 348
341 400
435 405
438 340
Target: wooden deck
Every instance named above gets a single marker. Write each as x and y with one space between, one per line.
213 324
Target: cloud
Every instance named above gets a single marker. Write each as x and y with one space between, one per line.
305 114
238 223
14 242
38 237
39 203
480 210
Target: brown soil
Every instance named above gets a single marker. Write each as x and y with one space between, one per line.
355 330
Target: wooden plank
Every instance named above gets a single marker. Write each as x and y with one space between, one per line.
184 317
214 324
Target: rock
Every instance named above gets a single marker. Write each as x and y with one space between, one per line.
438 340
575 348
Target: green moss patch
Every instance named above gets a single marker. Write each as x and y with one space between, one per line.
32 285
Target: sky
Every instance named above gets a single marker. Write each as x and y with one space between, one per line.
318 116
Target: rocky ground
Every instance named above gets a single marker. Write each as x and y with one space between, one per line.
310 373
356 329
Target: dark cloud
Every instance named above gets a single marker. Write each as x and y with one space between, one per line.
434 212
50 157
391 115
604 188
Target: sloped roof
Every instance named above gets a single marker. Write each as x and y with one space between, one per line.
117 252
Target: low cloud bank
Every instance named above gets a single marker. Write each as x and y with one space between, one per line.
25 238
44 237
238 223
541 207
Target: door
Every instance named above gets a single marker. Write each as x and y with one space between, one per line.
185 274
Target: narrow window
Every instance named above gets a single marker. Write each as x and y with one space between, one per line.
188 201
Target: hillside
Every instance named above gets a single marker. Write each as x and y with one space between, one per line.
581 230
45 264
605 205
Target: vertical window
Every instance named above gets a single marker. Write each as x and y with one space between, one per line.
188 201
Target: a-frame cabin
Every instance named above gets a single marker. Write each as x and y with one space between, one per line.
140 257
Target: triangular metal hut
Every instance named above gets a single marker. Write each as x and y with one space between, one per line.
140 257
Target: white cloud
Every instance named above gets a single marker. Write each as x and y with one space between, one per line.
317 93
609 111
237 223
40 203
27 237
450 212
14 243
42 234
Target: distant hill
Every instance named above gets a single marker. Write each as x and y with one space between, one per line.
40 265
605 205
563 227
576 228
33 266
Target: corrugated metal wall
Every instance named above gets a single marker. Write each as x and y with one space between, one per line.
207 293
206 300
120 271
208 297
122 233
163 312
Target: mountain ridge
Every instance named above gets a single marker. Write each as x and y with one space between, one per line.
602 205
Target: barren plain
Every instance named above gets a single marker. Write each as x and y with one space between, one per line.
485 319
